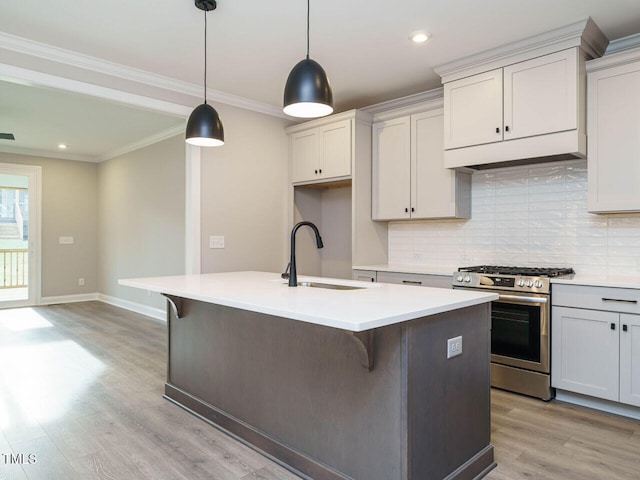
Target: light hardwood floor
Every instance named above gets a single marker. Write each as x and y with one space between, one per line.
81 389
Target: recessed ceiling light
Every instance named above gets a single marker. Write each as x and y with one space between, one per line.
62 146
419 36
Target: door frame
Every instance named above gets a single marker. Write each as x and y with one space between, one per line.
34 287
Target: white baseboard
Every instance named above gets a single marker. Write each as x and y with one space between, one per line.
81 297
153 312
598 404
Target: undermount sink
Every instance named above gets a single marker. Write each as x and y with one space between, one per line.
330 286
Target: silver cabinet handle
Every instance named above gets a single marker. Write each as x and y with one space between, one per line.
619 300
412 282
518 298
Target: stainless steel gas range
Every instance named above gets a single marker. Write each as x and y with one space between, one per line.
520 324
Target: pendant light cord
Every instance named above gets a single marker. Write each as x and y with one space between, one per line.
308 6
205 56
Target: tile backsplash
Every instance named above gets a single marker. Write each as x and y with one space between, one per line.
534 215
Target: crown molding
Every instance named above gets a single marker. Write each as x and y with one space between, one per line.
47 154
623 57
145 142
416 103
623 44
74 59
584 34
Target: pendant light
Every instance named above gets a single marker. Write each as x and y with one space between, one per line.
307 93
204 127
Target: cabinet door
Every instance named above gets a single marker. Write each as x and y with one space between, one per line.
305 155
335 149
630 359
473 110
540 95
433 187
614 139
584 352
391 196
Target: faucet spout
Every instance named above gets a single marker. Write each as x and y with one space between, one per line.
293 276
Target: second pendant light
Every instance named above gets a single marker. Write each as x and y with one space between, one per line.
307 93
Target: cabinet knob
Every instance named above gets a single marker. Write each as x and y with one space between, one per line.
624 328
406 210
497 129
613 326
413 209
316 172
506 129
320 171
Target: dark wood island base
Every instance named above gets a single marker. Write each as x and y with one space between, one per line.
298 392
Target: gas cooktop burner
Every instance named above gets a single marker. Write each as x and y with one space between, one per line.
525 271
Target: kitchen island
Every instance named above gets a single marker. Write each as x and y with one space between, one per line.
350 382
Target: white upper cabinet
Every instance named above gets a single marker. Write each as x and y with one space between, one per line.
409 177
540 95
473 110
392 169
522 101
335 149
321 153
614 133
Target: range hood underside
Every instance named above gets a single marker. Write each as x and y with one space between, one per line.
523 151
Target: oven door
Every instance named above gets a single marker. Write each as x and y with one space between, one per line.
520 331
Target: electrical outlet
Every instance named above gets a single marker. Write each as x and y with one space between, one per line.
454 347
81 282
216 241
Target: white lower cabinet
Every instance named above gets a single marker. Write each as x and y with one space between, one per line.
630 359
596 352
400 278
585 352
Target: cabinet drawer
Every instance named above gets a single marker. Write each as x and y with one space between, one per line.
624 300
416 279
364 275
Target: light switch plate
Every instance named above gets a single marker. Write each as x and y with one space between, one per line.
216 241
65 240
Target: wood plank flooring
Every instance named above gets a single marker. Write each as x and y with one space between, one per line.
81 389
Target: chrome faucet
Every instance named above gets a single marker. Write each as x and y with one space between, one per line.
293 275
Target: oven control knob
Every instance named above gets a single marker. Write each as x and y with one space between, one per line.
529 283
538 283
459 278
467 279
521 283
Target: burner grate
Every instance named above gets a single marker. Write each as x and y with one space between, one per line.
525 271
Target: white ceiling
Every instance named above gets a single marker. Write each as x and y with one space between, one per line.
93 129
362 44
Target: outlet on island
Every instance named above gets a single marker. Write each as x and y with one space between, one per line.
81 282
454 347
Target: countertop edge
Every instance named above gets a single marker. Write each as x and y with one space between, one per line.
478 298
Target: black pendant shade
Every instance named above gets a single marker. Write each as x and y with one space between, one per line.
204 127
308 92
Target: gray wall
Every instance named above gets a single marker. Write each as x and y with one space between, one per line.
69 208
244 194
141 202
127 214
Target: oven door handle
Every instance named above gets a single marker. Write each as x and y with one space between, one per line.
518 298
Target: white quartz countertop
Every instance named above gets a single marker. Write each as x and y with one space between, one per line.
375 305
615 281
420 269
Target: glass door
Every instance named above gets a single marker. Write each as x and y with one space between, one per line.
19 235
